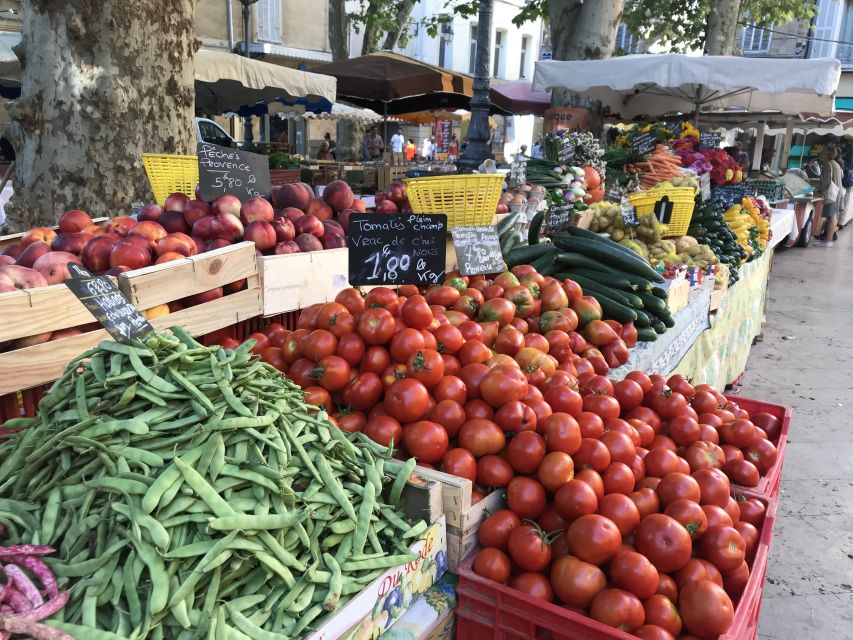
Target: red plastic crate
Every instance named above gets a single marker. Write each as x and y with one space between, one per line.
769 484
493 611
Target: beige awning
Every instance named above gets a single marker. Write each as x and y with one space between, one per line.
225 82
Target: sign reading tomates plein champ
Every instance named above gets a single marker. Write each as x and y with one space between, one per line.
223 170
406 248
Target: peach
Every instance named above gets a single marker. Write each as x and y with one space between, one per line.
54 266
262 234
120 225
6 260
175 202
151 231
157 312
284 229
38 234
139 241
292 213
293 195
150 212
216 243
318 208
338 195
234 287
226 204
14 278
74 220
309 224
70 332
32 253
129 254
194 210
30 341
387 206
96 253
169 256
283 248
71 242
14 250
256 209
116 271
204 296
200 244
228 226
176 243
359 205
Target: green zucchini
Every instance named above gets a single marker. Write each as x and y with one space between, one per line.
535 228
506 224
605 251
592 285
653 303
509 241
613 310
646 334
658 326
526 254
545 260
571 260
609 279
586 234
660 292
642 319
668 321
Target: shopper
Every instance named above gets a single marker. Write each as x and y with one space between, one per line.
375 144
453 149
365 146
743 162
328 139
536 151
397 144
324 153
830 189
426 149
410 150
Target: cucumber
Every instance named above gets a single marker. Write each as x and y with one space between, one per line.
535 228
660 292
509 241
646 334
609 279
592 285
506 224
642 319
657 325
613 310
653 304
586 234
668 321
571 260
526 254
605 251
545 260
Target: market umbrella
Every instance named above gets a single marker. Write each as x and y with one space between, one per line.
227 82
519 98
657 84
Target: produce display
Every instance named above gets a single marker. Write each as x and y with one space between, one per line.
190 492
662 166
624 511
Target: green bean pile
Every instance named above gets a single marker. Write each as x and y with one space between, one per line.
191 494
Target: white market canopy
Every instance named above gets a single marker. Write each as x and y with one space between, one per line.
225 82
657 84
339 111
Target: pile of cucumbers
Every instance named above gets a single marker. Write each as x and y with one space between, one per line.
622 281
709 227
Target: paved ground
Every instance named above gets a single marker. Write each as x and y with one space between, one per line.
806 360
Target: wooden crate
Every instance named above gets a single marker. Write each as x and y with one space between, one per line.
298 280
388 174
463 518
14 238
677 295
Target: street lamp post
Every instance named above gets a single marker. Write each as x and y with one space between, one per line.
248 135
477 148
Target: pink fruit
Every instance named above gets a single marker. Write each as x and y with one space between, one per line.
176 243
307 242
174 222
193 210
274 194
292 195
151 231
333 241
14 251
29 341
397 193
228 226
120 225
359 205
169 256
38 234
338 195
344 216
175 202
283 248
139 241
65 333
292 213
54 266
234 287
387 206
262 234
226 204
32 253
73 221
72 242
115 271
318 208
14 278
256 210
200 244
217 243
96 253
129 254
203 228
6 260
204 296
284 229
309 224
150 212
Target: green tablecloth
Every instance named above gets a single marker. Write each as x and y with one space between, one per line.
718 356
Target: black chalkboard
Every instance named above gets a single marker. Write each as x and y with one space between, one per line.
222 170
407 248
629 213
663 210
709 140
478 250
567 151
614 193
517 173
559 218
102 298
643 144
728 194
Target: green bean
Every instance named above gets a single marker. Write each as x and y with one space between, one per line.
307 618
109 427
130 589
334 486
364 513
400 481
189 583
249 522
86 567
379 563
335 583
416 530
250 628
204 491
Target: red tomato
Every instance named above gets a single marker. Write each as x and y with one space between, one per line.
628 393
533 584
664 541
562 433
575 499
752 511
319 344
318 397
704 455
301 372
470 330
382 297
594 539
494 530
591 425
714 487
426 365
416 312
735 582
762 453
620 446
460 462
593 479
704 402
678 486
633 572
332 372
493 564
618 478
695 570
564 400
477 408
351 422
555 470
450 415
503 384
661 462
392 373
717 516
690 515
473 351
352 300
661 611
376 359
742 472
576 582
425 440
592 454
384 430
723 546
528 548
668 404
618 608
680 384
376 325
526 497
494 471
404 343
449 339
406 400
472 375
621 510
351 347
509 341
450 388
653 632
705 609
750 537
515 417
604 406
481 437
274 357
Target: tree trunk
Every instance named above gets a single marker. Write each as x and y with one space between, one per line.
582 31
721 27
338 30
103 81
404 11
372 29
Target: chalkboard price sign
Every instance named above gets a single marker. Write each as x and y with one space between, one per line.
102 298
614 193
629 213
397 249
709 140
559 218
478 250
643 144
222 170
517 173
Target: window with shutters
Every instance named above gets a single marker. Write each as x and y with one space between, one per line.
268 20
827 26
756 39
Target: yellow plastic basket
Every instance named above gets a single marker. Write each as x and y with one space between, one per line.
682 211
171 174
468 200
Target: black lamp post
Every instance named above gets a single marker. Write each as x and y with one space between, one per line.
248 135
478 148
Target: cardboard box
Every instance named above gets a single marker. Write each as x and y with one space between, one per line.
298 280
678 295
389 596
